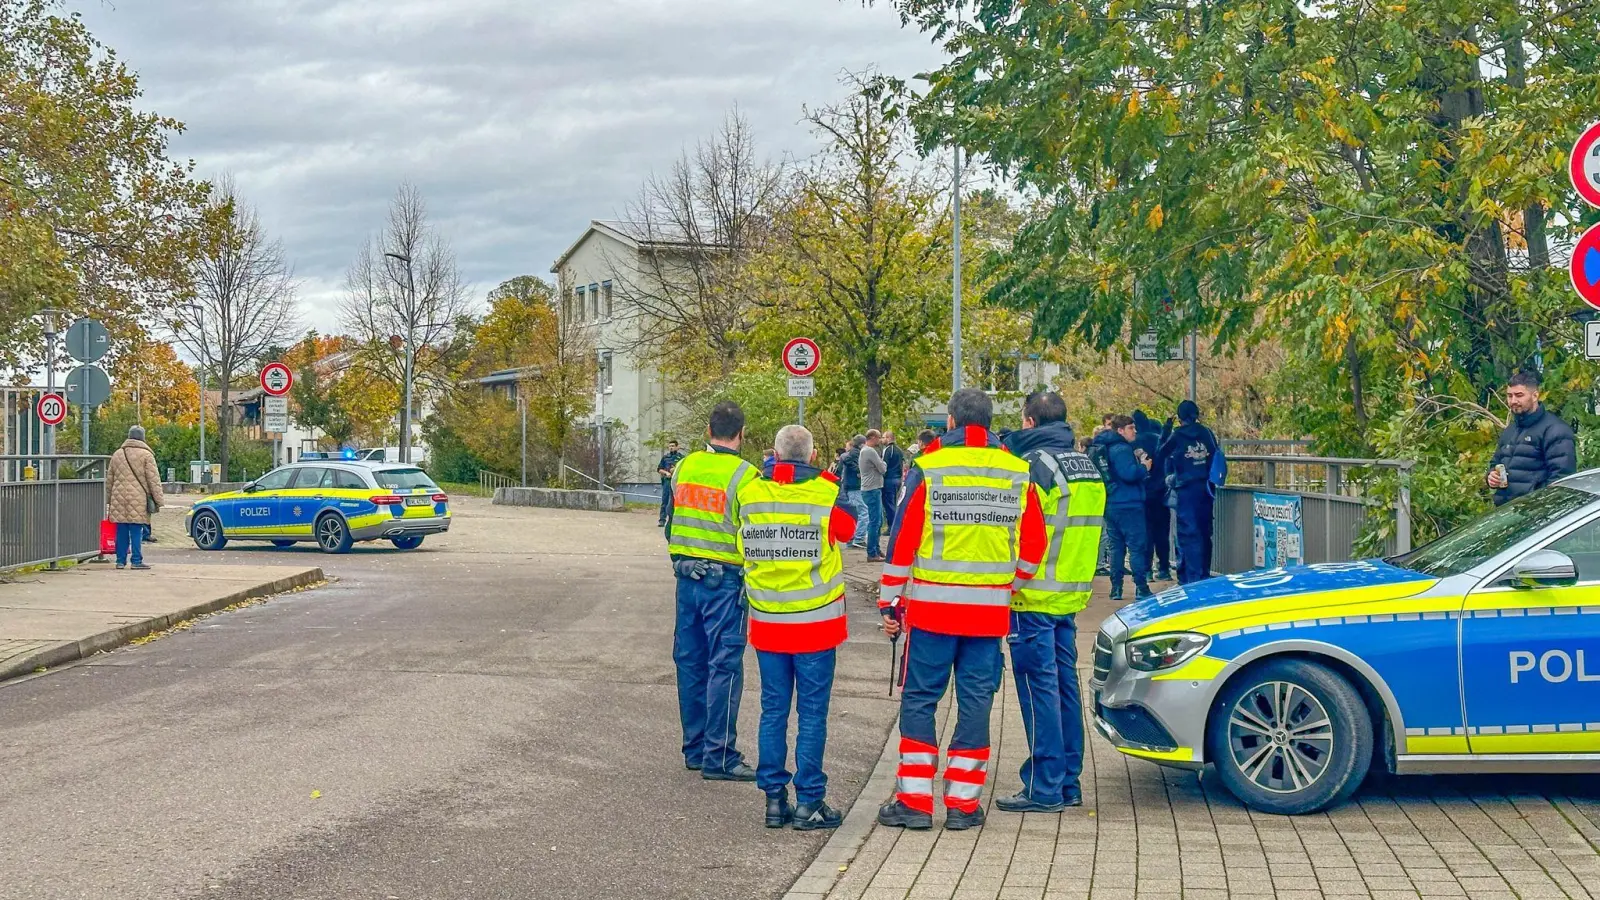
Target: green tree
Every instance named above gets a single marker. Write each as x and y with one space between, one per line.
94 218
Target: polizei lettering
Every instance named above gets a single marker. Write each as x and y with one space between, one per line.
782 543
1554 666
975 506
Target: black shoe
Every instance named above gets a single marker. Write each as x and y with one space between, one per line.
740 772
140 566
693 767
1022 803
1164 575
1116 598
1143 595
895 814
812 818
956 820
1103 572
151 540
779 812
1072 796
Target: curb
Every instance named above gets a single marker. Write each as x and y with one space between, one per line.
847 840
71 651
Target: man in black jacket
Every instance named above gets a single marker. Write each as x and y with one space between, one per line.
1188 455
1157 518
1535 449
896 461
669 461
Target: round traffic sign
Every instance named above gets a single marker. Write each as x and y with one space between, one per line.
87 341
52 409
276 379
1584 167
1586 267
801 357
88 386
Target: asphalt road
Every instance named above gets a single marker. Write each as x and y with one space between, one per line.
491 716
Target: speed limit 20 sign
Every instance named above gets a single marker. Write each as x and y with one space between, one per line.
1584 166
52 409
802 357
276 379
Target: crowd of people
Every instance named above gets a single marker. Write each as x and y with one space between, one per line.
992 535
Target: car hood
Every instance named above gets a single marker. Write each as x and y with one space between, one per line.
1273 591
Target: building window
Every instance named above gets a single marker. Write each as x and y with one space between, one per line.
594 302
605 295
606 371
579 306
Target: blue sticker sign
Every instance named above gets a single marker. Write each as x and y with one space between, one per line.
1279 537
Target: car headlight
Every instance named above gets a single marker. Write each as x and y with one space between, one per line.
1164 651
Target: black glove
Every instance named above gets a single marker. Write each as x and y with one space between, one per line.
693 569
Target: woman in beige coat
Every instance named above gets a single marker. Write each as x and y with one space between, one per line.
133 491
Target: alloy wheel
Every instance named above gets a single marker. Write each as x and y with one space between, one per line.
205 531
330 533
1281 737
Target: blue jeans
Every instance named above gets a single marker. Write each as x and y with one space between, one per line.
130 537
874 501
891 497
858 508
666 500
1125 538
708 648
804 680
930 658
1044 655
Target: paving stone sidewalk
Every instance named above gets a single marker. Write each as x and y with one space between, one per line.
1145 833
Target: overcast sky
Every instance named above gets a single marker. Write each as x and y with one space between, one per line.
520 120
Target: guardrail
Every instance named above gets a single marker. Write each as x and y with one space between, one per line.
49 521
1335 506
489 482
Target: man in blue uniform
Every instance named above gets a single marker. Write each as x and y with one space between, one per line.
1190 454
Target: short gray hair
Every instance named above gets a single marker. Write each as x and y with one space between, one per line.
136 433
970 406
794 444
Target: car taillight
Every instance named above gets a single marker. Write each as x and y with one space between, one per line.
441 498
388 500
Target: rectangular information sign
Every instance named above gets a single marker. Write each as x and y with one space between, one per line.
1279 536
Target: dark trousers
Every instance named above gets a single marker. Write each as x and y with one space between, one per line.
930 659
666 501
1195 509
891 501
708 648
874 502
804 681
1157 529
1125 540
1044 656
130 542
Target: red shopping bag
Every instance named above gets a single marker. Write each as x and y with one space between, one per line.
108 537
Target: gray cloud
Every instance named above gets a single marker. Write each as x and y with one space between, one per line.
519 119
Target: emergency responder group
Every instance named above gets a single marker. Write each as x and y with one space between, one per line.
989 542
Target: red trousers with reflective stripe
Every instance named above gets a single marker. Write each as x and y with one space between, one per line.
964 775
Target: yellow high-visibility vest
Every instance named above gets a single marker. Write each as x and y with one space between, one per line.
794 574
1073 499
970 534
705 506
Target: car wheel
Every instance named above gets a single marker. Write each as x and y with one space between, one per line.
1290 737
206 529
333 535
283 543
408 543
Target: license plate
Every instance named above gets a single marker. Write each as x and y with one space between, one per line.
418 501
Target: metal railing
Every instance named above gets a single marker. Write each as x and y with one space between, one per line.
48 521
1336 506
489 481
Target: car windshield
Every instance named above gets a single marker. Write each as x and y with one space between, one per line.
1493 533
403 479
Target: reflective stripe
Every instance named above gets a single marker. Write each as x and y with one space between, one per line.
702 544
936 472
714 526
967 763
961 790
786 509
919 759
993 567
947 593
897 571
923 786
800 617
1027 568
1083 522
889 593
1059 587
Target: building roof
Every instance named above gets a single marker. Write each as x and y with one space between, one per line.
634 235
506 376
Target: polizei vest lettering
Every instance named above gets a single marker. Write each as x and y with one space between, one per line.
782 543
974 505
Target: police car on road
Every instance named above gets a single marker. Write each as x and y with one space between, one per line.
1479 652
336 503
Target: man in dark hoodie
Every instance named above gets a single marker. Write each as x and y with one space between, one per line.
1157 518
1125 477
1189 454
1536 447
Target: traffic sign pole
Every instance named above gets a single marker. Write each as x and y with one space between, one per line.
801 357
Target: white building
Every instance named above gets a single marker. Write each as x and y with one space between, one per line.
632 394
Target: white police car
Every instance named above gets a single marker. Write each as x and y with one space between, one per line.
335 503
1479 652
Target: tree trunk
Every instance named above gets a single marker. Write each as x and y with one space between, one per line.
1533 218
874 373
222 430
1358 400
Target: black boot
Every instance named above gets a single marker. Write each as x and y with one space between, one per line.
779 812
895 814
1021 802
956 820
740 772
811 818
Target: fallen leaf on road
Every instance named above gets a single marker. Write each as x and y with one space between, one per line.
315 794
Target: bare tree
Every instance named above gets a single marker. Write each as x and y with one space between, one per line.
404 300
688 294
245 294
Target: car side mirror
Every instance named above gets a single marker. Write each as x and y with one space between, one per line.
1544 568
249 488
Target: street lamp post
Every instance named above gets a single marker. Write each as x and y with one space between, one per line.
411 355
955 278
200 326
